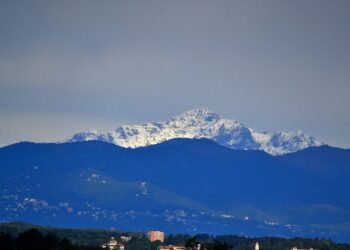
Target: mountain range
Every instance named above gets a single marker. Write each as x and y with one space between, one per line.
202 123
180 185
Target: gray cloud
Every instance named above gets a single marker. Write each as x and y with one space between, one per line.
272 65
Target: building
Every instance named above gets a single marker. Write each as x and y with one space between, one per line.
171 247
154 235
113 244
124 238
295 248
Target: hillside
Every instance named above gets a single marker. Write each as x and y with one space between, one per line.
182 185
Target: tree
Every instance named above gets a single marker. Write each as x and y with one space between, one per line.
7 242
31 240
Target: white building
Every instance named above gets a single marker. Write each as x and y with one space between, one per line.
257 246
113 244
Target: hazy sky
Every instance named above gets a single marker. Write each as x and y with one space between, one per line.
68 66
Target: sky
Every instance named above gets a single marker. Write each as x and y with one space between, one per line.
69 66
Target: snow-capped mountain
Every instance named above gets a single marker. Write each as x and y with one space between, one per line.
202 123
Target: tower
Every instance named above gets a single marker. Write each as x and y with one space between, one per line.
257 246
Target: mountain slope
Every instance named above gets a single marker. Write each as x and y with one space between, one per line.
202 123
323 161
191 185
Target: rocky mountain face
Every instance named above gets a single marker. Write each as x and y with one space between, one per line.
202 123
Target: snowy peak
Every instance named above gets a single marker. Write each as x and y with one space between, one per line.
197 116
202 123
278 143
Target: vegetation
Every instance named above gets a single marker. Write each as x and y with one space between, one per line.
82 237
33 239
21 236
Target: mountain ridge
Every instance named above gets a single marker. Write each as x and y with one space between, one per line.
202 123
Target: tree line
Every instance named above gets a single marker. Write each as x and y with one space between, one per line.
33 239
45 238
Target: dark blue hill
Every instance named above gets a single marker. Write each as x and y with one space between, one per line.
325 161
182 184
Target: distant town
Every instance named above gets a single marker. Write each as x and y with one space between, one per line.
155 235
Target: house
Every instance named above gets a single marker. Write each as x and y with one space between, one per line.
113 244
124 238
